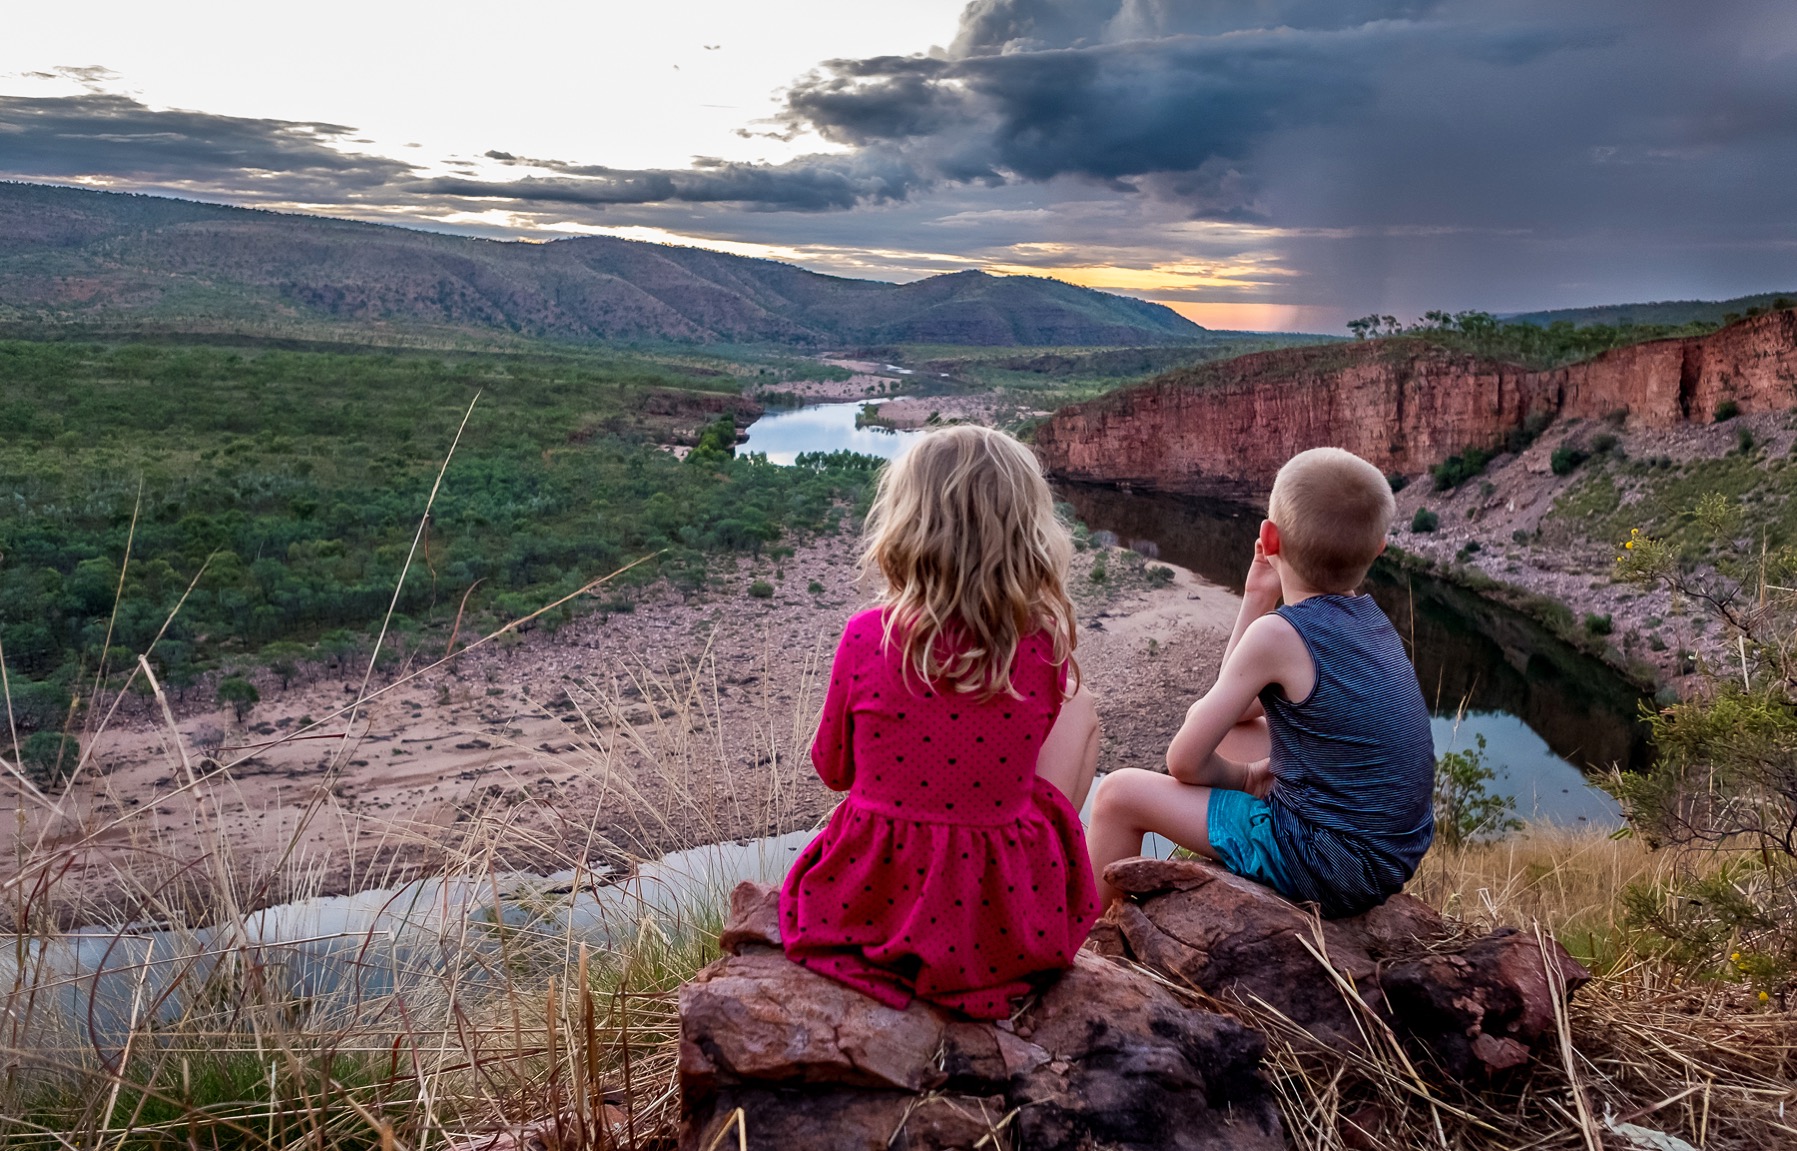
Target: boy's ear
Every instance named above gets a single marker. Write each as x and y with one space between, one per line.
1269 537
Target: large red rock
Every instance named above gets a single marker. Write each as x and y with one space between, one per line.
1105 1057
1478 1010
1403 404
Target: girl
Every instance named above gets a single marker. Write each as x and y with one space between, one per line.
956 870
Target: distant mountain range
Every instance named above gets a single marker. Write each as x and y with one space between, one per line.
109 262
1659 312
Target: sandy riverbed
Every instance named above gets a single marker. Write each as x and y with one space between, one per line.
614 737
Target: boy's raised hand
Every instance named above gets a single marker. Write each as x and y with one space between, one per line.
1262 585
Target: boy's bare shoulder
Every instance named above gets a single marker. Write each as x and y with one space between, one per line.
1272 651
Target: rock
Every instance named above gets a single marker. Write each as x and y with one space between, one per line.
1487 1008
754 918
1477 1010
1104 1057
1238 940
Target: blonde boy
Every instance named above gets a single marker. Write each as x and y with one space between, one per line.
1309 766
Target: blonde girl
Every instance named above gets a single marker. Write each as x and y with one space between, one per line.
955 870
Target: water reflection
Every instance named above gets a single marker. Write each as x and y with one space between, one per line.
782 435
1469 652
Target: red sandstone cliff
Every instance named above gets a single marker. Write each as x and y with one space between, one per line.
1401 403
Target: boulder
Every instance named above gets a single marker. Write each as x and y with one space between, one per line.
1478 1009
1106 1056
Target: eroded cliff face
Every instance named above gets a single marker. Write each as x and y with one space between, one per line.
1401 403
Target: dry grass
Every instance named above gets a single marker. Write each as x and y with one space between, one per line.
1642 1058
478 1000
416 1017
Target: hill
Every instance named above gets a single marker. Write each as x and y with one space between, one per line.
105 261
1659 312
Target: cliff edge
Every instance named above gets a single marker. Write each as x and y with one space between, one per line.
1403 403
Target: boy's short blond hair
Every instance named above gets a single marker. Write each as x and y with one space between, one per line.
1333 510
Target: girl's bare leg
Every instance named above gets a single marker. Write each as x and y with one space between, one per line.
1132 802
1069 755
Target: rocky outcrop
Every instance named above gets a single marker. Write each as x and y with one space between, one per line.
1401 403
1106 1056
1477 1010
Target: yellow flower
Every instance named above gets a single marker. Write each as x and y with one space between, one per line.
1735 958
1630 545
1634 531
1764 997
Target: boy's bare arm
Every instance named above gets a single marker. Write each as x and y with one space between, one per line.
1267 652
1260 595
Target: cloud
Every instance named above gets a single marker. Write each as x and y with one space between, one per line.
1366 154
100 134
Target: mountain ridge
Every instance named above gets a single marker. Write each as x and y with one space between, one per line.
1655 312
80 258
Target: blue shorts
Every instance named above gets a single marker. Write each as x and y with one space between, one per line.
1241 837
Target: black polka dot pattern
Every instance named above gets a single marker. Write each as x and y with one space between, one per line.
954 856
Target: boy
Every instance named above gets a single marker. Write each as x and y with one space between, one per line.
1310 765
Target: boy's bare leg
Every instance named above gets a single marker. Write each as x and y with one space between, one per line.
1132 802
1247 741
1069 754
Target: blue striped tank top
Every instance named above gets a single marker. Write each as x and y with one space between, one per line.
1354 763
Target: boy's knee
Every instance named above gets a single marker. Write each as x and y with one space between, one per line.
1118 794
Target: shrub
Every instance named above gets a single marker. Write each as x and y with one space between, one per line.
1567 458
1398 482
1457 469
761 589
240 693
48 757
1744 441
1159 575
815 588
1604 444
1465 809
1726 410
1722 793
1598 624
1424 521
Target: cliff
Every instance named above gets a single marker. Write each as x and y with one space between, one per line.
1402 403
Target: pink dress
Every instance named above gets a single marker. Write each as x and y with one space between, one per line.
951 872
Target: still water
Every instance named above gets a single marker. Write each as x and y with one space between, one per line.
1548 713
782 434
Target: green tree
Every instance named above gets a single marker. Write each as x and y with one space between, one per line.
240 693
49 757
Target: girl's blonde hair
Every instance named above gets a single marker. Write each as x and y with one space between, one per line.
963 528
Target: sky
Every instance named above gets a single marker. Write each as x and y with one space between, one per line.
1263 164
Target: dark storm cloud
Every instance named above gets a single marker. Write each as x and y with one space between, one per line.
1394 153
808 184
99 133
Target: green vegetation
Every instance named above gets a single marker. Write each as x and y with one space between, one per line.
1457 469
285 490
1666 311
1723 794
1531 345
1032 379
1424 521
1465 809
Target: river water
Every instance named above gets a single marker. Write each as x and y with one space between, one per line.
1548 713
1544 709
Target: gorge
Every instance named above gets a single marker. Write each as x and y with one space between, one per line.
1404 404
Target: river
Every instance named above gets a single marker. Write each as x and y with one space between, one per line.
1549 714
